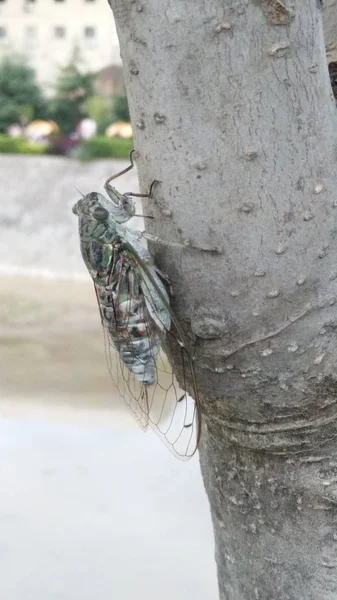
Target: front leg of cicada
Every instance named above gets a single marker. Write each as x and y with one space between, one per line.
123 204
123 207
129 195
148 195
110 190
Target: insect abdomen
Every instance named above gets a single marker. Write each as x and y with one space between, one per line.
139 355
131 331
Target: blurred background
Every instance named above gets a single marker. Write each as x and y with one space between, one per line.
89 505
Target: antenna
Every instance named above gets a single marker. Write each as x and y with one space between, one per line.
78 191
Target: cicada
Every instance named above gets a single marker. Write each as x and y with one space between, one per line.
138 320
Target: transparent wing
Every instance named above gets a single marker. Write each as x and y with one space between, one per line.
164 405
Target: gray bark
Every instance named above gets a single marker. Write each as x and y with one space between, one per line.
233 112
330 28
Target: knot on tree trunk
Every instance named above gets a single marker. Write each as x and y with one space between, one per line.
304 426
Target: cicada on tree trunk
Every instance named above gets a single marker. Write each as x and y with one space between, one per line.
137 320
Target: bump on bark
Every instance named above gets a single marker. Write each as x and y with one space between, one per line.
276 12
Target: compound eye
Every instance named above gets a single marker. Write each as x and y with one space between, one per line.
100 214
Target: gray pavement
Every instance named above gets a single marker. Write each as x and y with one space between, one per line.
93 508
90 507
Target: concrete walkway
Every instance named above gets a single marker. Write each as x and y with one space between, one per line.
90 507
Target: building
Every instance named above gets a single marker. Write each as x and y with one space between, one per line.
110 81
47 32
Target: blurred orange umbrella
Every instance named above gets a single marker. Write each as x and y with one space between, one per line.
41 128
119 129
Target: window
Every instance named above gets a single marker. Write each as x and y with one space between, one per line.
28 5
59 32
89 33
31 33
3 33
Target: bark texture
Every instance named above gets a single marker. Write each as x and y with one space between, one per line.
233 113
330 28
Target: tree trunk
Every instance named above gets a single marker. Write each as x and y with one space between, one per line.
330 28
232 111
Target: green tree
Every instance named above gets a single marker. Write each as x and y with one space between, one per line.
72 90
20 95
99 108
120 109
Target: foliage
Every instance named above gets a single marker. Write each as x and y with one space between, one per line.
103 147
120 109
63 145
66 114
17 85
98 108
72 90
19 145
116 110
96 147
104 123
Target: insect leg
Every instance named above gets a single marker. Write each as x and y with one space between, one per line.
157 240
186 244
163 276
106 185
143 216
149 195
165 279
